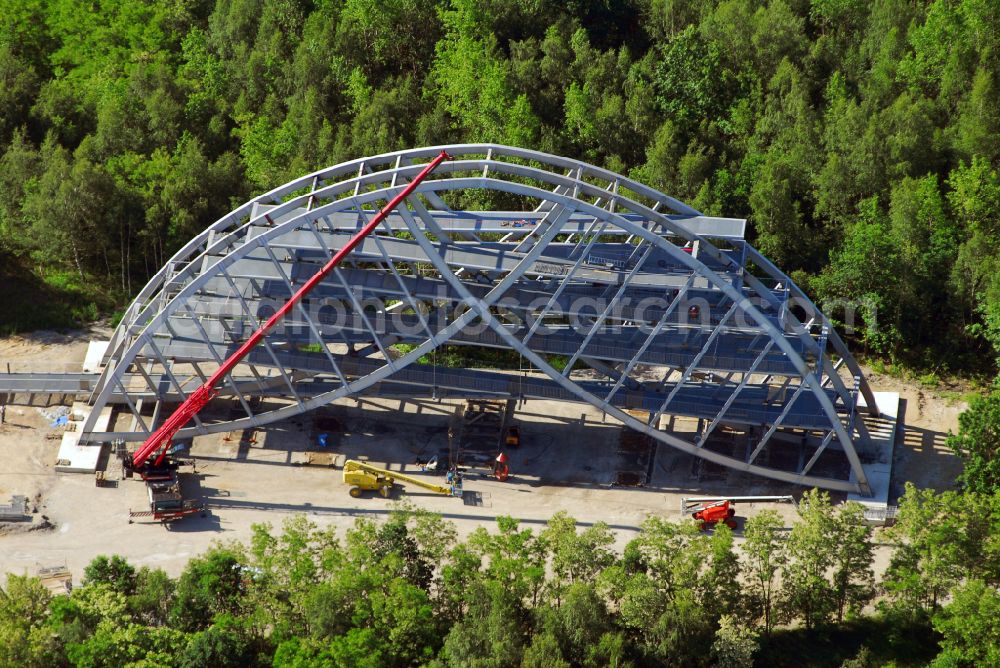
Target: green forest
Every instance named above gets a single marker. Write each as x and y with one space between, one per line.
404 592
861 139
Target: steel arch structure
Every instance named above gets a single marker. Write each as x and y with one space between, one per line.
612 293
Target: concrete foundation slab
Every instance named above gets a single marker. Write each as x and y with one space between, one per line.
76 458
879 467
95 352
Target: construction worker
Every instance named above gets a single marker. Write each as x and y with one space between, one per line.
500 469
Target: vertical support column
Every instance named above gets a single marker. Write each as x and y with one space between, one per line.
783 311
853 424
738 281
820 366
6 400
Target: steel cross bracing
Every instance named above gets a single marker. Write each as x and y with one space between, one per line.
614 295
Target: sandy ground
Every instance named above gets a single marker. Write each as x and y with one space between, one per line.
566 463
46 351
926 418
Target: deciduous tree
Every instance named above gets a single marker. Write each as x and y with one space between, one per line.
765 552
978 443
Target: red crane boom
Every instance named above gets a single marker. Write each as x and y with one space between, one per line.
161 439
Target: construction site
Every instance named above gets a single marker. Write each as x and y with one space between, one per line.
477 330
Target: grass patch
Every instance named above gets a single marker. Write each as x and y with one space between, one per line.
929 381
403 348
951 386
933 374
959 396
888 368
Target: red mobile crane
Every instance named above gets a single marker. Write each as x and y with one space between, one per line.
161 439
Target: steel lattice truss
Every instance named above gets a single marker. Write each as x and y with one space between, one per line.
611 293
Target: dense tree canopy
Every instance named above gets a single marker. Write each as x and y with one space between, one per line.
403 591
861 139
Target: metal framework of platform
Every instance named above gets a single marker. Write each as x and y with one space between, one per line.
605 291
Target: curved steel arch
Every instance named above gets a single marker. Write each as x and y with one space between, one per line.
584 237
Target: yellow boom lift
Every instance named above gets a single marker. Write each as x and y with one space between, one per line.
365 477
